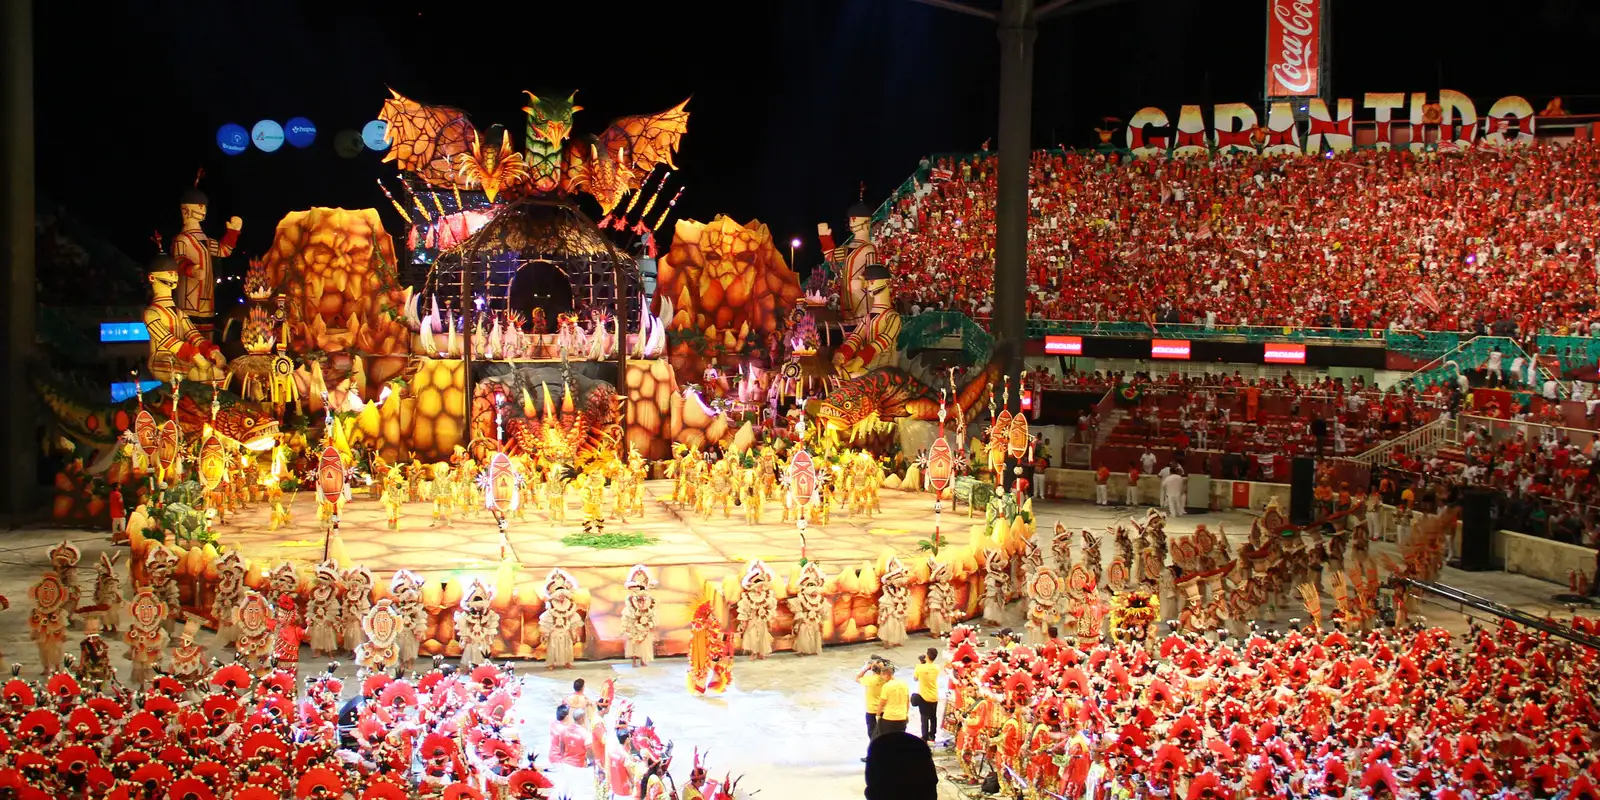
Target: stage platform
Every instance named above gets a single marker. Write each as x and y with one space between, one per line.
687 553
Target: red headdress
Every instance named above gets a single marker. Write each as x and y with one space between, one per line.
528 784
167 685
1583 789
319 782
462 791
1169 759
1186 730
40 724
19 694
106 708
232 677
487 675
1380 774
160 705
255 793
265 745
83 721
374 683
1074 680
1477 774
384 790
398 693
153 775
77 759
1207 786
62 686
190 788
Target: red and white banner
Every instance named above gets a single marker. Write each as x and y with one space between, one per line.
1294 47
1284 353
1170 348
1063 345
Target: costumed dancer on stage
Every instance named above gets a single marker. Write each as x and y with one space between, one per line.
190 667
282 581
710 652
939 607
357 584
379 648
253 621
64 559
406 589
758 604
146 636
158 569
1044 606
561 623
996 585
108 592
810 607
94 657
476 624
47 625
394 495
323 621
894 603
639 617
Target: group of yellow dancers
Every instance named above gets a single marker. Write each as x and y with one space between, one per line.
849 482
453 488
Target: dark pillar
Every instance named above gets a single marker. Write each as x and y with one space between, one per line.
19 490
1017 33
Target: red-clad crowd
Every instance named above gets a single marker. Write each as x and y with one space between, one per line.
1350 241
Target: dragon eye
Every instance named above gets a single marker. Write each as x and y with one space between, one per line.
248 421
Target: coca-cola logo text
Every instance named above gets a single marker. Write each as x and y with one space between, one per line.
1293 70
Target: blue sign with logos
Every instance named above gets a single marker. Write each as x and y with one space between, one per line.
267 135
300 132
372 135
233 139
123 390
124 332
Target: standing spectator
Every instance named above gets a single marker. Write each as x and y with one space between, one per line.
1102 480
1133 485
927 696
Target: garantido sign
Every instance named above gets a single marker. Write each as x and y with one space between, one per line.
1445 122
1294 47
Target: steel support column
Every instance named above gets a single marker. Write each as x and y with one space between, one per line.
1017 34
18 445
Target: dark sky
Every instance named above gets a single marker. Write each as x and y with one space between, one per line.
795 101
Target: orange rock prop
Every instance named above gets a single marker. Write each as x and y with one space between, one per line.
726 277
657 414
338 268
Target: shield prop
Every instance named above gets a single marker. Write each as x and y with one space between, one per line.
213 463
803 478
167 445
144 431
941 464
330 476
501 492
1017 437
1001 428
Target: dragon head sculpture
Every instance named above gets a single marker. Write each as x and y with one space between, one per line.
550 119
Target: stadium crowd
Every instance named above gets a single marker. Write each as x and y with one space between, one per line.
1367 239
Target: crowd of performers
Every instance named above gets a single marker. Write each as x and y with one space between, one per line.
1338 706
183 726
706 484
224 733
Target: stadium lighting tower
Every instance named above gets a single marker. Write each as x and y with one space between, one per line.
1018 21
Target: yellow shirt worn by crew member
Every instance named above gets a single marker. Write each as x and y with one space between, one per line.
874 683
896 697
927 677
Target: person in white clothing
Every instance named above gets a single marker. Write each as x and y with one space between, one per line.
1492 367
1172 487
1148 461
1518 366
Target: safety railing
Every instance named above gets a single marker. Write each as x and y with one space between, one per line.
1425 439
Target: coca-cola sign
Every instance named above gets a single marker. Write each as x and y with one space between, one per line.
1294 47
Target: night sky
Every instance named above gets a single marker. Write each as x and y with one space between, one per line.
795 103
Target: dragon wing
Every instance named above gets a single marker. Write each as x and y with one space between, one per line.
619 160
425 140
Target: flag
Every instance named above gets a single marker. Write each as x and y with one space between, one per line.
1429 300
1205 231
940 174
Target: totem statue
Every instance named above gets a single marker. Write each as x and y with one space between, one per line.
810 607
872 343
852 256
639 617
192 251
177 348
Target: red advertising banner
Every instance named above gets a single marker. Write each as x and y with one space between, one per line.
1294 47
1284 353
1170 348
1063 345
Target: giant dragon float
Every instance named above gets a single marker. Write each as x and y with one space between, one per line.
525 407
